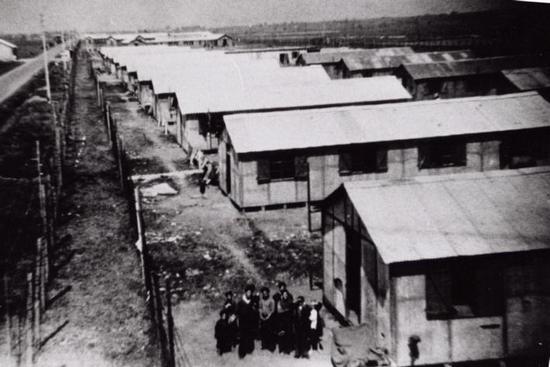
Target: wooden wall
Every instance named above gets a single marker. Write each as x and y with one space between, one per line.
524 324
324 173
396 310
455 87
339 218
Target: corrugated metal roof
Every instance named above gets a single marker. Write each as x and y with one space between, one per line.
456 215
362 62
336 55
529 78
187 36
389 122
268 49
193 70
9 44
211 95
211 81
474 67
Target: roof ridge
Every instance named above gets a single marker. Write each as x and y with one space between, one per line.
388 105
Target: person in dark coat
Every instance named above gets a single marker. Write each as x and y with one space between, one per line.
229 305
301 328
284 328
248 322
221 333
282 288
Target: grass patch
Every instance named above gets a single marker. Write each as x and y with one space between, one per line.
142 166
197 268
295 255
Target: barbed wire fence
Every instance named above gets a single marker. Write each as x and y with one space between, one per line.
29 242
158 286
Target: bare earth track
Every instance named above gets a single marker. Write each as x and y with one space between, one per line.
104 311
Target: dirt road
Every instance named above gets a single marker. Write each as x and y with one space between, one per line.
104 310
16 78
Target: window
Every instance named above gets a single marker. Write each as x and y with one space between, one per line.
282 167
283 59
367 159
525 149
461 290
442 153
433 87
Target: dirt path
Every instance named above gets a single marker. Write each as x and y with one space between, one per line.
142 136
145 140
228 242
104 311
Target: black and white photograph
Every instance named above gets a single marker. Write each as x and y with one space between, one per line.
274 183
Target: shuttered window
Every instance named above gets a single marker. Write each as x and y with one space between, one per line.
282 167
365 159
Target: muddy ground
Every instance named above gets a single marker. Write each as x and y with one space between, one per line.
102 318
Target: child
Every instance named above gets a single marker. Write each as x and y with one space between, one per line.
316 326
221 333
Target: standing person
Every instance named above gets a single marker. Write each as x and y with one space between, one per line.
232 329
317 325
230 307
282 288
284 320
221 333
266 310
205 179
229 304
247 315
301 328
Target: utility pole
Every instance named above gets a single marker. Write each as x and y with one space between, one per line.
46 71
64 49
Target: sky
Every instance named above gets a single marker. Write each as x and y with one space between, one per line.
22 16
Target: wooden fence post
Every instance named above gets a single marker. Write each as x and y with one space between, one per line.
108 119
37 314
97 91
29 322
170 325
7 321
41 274
50 231
160 320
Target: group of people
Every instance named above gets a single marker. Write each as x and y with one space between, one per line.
277 321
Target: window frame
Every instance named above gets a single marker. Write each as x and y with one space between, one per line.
297 164
462 290
285 162
431 153
359 164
